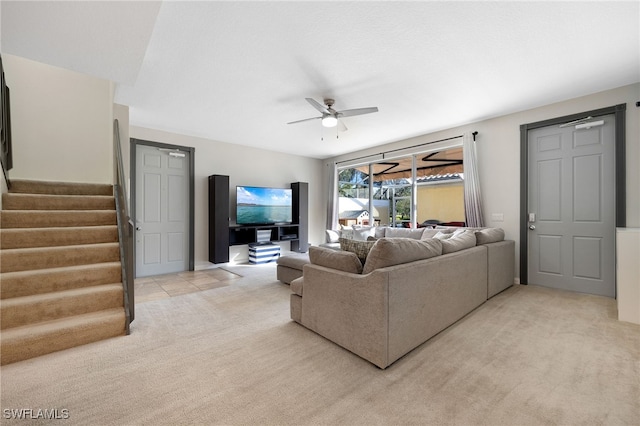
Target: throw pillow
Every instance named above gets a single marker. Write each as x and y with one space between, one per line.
458 231
332 235
346 232
341 260
359 248
460 241
429 233
396 251
362 234
489 235
442 235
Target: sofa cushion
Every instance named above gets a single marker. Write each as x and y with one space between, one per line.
448 229
403 233
293 260
359 248
489 235
459 241
395 251
341 260
296 286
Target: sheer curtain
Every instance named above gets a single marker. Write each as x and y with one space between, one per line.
472 196
332 214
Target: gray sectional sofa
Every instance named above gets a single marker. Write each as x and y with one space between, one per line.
402 293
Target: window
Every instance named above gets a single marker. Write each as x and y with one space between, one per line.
387 198
353 197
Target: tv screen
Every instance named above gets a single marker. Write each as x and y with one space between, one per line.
263 206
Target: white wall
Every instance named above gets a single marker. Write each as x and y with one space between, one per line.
244 166
498 145
61 123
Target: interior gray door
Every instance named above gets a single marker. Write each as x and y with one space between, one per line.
571 207
162 210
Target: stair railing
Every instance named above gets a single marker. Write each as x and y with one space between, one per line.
125 228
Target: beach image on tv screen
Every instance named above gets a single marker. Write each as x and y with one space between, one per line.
263 205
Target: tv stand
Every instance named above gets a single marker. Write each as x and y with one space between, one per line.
222 236
248 234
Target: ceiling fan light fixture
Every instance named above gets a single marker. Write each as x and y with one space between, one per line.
329 121
329 117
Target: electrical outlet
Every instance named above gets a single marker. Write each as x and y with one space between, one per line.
497 217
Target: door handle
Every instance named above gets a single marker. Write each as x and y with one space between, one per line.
138 228
532 227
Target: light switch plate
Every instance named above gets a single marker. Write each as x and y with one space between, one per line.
497 217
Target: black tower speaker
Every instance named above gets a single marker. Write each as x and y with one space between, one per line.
300 195
218 219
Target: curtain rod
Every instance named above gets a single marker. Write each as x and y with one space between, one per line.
408 147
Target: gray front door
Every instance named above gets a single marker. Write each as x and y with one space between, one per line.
571 207
162 210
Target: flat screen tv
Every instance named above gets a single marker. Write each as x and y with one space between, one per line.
263 206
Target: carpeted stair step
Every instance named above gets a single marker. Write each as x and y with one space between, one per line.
56 218
12 201
25 259
33 340
59 188
61 236
27 283
60 270
19 311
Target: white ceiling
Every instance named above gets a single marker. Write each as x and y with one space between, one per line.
237 72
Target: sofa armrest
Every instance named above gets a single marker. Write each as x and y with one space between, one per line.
348 309
333 246
501 266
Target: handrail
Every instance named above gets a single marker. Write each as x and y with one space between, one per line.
125 229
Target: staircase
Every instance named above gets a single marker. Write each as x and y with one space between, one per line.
60 271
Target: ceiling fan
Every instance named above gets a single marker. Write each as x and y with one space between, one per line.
330 116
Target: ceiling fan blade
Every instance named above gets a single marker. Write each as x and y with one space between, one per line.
317 105
357 111
306 119
341 126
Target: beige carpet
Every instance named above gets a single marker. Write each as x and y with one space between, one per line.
230 355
